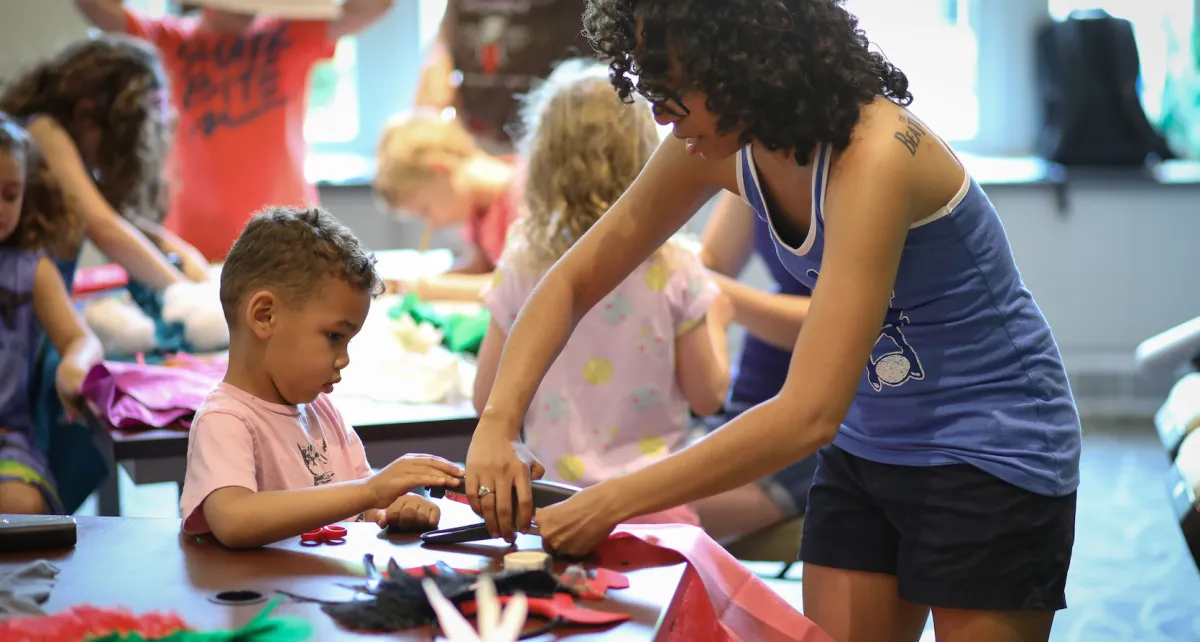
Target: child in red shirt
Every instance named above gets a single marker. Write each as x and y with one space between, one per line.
431 168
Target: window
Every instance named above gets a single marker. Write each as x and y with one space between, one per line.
915 35
372 76
1163 33
334 92
333 96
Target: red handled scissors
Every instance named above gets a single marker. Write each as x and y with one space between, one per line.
332 535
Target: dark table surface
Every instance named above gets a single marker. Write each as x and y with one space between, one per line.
149 565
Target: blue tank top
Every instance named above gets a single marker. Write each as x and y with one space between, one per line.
965 369
18 336
761 367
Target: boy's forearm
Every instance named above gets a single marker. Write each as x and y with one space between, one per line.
256 519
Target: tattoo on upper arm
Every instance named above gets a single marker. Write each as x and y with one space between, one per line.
911 134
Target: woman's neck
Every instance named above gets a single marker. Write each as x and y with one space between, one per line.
485 179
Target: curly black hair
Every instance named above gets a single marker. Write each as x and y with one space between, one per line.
789 73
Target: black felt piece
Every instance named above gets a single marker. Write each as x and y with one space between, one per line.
398 602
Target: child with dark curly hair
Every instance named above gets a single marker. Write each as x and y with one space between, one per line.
924 373
33 300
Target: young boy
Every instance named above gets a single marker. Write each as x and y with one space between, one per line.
269 457
431 168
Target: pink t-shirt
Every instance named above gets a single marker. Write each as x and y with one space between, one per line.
238 439
611 403
489 230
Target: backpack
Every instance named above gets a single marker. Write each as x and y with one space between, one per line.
1088 67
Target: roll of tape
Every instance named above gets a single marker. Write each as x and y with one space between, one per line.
527 561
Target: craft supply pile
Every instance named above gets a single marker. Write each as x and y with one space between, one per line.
164 352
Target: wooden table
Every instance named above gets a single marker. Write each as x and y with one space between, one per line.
148 565
388 430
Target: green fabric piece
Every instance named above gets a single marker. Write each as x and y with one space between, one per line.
420 312
464 332
461 333
262 628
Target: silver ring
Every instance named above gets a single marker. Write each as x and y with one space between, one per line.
484 491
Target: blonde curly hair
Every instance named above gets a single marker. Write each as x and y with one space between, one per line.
410 146
583 147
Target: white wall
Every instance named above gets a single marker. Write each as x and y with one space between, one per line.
30 29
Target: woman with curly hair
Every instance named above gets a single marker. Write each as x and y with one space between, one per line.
32 296
98 112
924 373
616 398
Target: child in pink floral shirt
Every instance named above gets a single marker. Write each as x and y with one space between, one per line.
617 398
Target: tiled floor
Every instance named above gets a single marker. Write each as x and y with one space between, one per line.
1131 577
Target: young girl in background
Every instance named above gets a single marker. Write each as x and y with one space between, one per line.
32 298
617 397
431 168
98 113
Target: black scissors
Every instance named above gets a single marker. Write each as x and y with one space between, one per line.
545 493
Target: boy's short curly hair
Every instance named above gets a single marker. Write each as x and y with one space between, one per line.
289 251
789 73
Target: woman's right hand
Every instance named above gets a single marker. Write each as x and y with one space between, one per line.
501 464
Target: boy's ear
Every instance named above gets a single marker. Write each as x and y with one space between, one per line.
261 314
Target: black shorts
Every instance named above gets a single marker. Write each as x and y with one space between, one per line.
954 536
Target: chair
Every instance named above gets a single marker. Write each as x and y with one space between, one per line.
778 542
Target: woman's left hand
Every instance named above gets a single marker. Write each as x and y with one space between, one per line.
575 527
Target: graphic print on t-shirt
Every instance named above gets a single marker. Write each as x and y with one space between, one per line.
897 365
232 80
317 462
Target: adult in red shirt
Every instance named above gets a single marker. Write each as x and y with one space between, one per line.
240 84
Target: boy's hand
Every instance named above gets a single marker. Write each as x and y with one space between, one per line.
410 513
409 472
